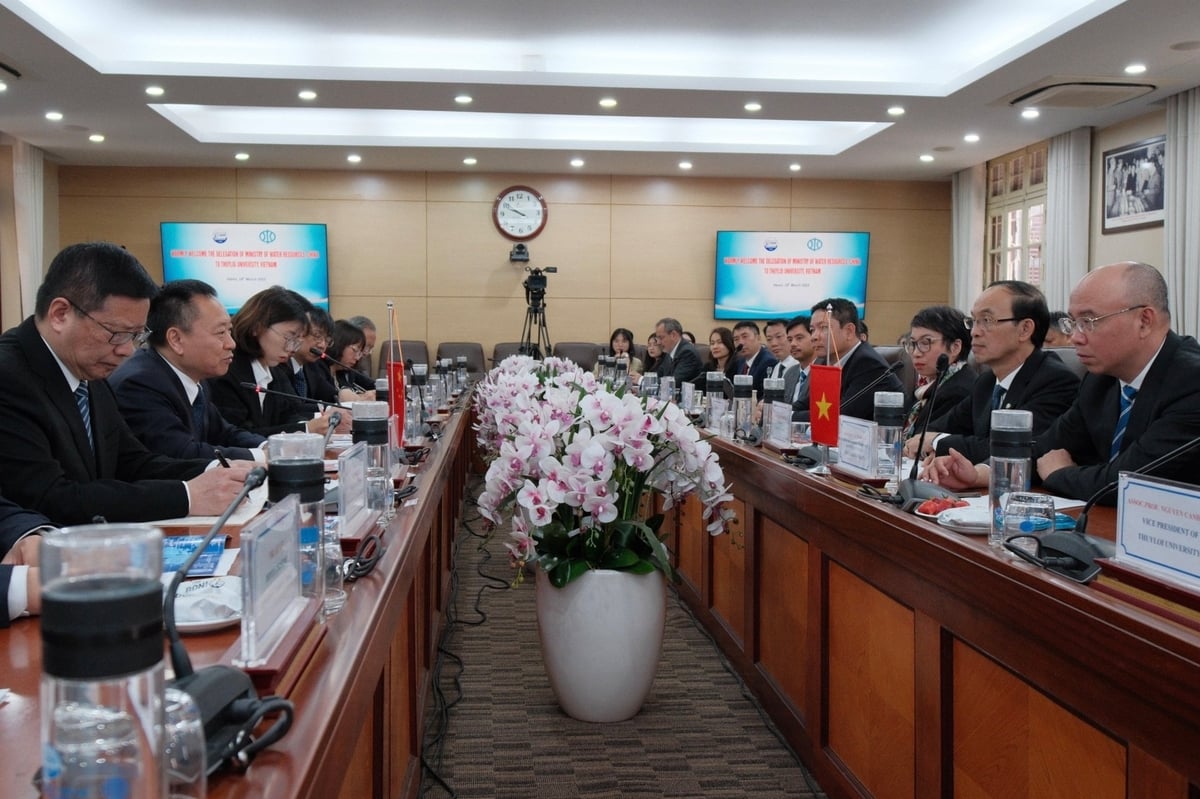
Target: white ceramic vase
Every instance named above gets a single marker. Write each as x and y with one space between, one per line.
601 641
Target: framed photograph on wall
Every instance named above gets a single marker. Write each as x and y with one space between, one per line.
1133 185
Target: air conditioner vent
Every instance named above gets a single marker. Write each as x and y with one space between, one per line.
1080 94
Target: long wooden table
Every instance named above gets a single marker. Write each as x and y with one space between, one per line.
359 699
901 659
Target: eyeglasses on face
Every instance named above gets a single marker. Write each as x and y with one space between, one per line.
923 344
290 343
987 322
116 337
1087 324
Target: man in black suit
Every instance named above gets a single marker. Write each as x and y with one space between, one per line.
1120 323
679 358
65 450
160 390
800 345
836 341
20 582
310 371
758 361
1008 324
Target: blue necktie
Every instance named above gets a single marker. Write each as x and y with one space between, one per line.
998 396
85 410
1127 395
199 412
301 382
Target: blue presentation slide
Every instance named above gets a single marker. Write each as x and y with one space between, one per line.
240 260
766 274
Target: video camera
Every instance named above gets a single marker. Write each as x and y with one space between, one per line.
535 284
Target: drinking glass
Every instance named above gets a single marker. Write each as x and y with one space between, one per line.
183 746
648 386
801 434
1028 514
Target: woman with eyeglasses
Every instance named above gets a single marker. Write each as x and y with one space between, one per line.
346 345
267 330
934 331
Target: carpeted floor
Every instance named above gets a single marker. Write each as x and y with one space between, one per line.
494 729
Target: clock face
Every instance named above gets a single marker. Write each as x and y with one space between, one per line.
519 213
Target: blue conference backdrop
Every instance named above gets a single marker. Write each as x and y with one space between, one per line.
765 274
241 259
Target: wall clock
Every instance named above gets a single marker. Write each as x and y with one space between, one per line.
520 213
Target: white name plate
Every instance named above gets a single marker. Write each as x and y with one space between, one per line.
271 599
780 414
1158 527
857 451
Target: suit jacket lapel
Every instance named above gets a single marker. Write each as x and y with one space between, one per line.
45 369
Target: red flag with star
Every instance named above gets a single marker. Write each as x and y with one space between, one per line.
824 400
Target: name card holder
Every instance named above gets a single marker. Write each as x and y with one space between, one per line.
717 406
858 452
780 414
354 518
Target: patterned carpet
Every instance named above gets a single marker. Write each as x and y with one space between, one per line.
494 729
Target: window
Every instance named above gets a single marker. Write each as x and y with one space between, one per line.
1016 210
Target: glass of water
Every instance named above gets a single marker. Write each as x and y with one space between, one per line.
183 747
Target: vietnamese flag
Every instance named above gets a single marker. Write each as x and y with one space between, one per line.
824 398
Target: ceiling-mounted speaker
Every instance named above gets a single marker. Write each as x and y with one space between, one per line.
1078 93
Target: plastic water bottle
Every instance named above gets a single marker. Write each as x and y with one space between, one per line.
297 466
1012 452
102 662
743 404
889 419
772 392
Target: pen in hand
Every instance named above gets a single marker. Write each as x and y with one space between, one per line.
221 459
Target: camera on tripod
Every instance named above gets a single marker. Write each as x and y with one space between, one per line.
535 284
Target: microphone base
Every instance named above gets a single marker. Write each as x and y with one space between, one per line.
914 492
215 690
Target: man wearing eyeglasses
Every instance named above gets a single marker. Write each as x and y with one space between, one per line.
65 450
1139 400
1008 325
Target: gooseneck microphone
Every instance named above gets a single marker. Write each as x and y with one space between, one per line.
257 389
913 491
325 356
230 708
891 370
1149 468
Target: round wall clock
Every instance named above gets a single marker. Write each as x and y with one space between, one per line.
519 213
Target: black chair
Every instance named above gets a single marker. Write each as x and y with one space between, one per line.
582 353
504 350
1070 357
907 374
414 351
471 349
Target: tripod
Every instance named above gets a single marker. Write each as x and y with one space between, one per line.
535 316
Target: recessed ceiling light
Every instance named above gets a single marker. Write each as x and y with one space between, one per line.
971 138
354 158
96 137
608 102
753 106
577 162
926 157
464 99
685 165
1135 69
896 111
54 116
242 156
1031 113
3 86
794 167
307 94
155 91
470 161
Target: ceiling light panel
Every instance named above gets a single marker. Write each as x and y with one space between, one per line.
374 127
520 44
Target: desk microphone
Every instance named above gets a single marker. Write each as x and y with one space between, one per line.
325 356
891 370
257 389
913 491
230 708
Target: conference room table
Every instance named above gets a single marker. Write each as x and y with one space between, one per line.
360 685
903 659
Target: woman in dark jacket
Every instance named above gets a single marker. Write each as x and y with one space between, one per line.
936 330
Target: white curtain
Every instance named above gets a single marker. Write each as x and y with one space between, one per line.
1181 243
1068 176
968 201
29 201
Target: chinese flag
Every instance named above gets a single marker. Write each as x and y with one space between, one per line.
824 398
395 376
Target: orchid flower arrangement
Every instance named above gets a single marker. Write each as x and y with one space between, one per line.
572 459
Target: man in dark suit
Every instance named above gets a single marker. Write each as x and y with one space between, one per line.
836 341
160 390
308 369
65 450
20 582
1008 324
1138 369
679 358
800 344
758 361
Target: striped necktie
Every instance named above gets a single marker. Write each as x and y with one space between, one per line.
1128 393
998 396
301 381
83 402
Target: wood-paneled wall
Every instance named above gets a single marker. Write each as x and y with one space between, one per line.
630 250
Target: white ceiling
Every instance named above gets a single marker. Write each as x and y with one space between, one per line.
386 74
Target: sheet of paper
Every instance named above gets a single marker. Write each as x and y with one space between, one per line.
247 511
